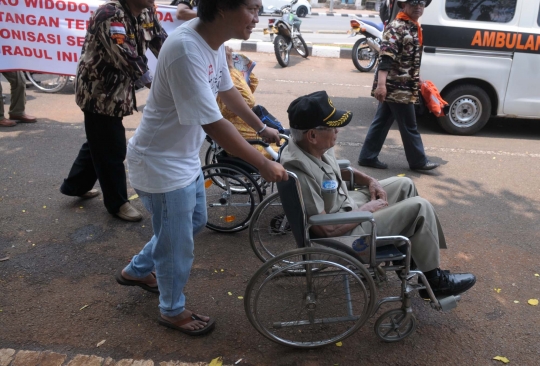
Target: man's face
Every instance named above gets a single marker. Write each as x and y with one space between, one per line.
413 11
325 138
244 19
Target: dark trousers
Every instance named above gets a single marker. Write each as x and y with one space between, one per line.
384 118
101 158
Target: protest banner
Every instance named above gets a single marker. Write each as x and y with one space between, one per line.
47 35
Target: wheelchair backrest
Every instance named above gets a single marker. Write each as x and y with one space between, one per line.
291 200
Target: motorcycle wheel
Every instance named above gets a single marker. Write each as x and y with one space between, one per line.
48 83
363 57
281 50
300 46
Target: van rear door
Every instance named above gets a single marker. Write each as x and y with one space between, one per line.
522 96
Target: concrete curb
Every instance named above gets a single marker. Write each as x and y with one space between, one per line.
11 357
343 15
268 47
312 31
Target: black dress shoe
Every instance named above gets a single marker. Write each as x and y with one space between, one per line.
428 166
375 163
446 284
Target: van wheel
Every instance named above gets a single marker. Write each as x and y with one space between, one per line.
470 109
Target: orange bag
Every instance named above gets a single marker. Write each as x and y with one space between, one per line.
433 100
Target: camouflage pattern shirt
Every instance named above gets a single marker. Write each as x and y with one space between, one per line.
113 59
400 42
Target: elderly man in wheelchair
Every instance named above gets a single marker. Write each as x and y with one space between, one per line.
387 215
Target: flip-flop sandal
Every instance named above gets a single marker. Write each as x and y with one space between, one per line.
210 324
125 282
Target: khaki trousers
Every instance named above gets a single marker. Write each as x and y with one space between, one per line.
18 93
409 215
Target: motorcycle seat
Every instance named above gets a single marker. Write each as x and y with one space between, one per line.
379 26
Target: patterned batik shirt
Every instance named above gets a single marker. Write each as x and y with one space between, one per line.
113 58
400 42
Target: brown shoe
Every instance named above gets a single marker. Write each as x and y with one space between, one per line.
129 213
24 118
7 123
90 194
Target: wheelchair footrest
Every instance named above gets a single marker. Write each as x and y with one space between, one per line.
449 302
388 253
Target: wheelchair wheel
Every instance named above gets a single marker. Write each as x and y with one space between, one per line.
48 83
211 154
231 197
269 230
393 326
316 309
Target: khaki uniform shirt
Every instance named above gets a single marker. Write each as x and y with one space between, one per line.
113 58
400 42
311 173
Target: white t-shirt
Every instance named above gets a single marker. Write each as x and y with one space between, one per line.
163 155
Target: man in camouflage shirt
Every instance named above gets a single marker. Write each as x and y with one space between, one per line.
112 64
397 87
186 9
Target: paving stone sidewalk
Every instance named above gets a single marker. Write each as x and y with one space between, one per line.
11 357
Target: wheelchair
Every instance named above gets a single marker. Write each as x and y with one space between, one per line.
269 230
233 187
326 289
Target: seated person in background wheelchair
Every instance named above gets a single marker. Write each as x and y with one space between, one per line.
246 82
394 202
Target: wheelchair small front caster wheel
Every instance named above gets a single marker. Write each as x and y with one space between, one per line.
393 326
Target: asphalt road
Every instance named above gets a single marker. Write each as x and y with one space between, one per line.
63 253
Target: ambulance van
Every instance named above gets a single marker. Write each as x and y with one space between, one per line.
484 57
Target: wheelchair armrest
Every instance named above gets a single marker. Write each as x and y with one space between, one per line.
343 163
354 217
258 142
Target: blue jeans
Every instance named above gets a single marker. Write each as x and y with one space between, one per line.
176 217
384 118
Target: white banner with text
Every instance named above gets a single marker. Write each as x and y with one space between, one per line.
47 35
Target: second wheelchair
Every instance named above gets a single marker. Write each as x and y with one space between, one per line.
233 187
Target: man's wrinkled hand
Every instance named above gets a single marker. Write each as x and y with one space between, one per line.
376 191
271 135
373 206
273 172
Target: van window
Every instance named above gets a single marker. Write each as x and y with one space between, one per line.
499 11
538 20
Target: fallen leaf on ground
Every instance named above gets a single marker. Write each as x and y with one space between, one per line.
501 358
44 206
216 361
497 290
23 210
536 275
237 362
516 302
401 175
133 197
241 297
100 343
222 270
339 344
533 302
230 293
84 307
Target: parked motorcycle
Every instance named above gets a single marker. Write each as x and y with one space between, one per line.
287 35
365 52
